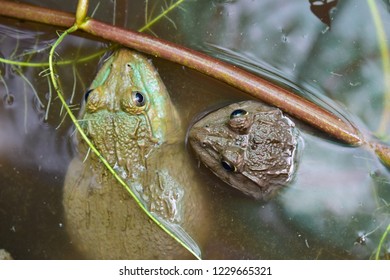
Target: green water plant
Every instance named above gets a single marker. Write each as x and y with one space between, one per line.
381 243
384 51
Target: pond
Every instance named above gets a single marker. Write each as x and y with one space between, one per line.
337 206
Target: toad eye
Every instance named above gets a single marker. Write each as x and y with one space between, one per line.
86 95
228 166
138 98
238 113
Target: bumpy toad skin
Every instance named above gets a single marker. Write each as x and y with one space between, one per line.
249 145
131 120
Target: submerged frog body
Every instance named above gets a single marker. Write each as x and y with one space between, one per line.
130 119
249 145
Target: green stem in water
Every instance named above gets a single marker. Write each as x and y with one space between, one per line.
160 16
384 50
81 12
384 235
59 63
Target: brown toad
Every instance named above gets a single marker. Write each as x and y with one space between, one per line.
249 145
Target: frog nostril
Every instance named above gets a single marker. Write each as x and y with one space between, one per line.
238 113
138 98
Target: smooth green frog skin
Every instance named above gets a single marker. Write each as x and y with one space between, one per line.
249 145
131 120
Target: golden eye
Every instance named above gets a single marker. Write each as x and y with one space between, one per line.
138 99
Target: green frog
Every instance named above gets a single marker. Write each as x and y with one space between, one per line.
249 145
129 117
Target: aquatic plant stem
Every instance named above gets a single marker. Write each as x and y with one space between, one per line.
163 14
383 128
81 11
93 148
230 74
381 242
37 14
62 62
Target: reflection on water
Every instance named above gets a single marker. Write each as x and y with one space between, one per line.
338 204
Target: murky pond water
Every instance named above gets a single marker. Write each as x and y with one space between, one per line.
338 205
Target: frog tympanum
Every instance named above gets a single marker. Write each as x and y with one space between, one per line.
129 117
249 145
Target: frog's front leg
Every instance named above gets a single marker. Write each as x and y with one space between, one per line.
164 196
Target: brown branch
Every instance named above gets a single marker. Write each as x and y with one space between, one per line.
37 14
230 74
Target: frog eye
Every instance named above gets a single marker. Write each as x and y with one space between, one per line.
138 98
86 95
238 113
228 166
